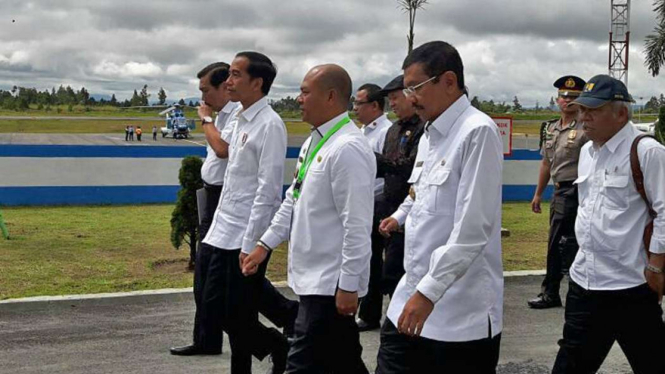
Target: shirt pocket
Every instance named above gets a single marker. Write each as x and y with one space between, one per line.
442 201
415 175
582 183
615 192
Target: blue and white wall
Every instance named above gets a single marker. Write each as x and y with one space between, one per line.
81 174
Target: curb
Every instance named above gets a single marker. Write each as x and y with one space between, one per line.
147 296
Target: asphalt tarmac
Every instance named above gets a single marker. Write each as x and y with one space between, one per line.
133 334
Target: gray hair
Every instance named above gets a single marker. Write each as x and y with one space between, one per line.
617 105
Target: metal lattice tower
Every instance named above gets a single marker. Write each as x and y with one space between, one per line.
619 40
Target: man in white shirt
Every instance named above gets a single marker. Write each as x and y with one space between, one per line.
251 195
446 313
616 285
327 218
368 106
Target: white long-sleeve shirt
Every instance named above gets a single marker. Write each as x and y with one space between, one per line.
253 181
375 133
214 168
452 251
329 226
612 215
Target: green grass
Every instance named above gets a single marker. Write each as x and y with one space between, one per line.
78 250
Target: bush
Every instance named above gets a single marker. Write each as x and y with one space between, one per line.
185 218
660 126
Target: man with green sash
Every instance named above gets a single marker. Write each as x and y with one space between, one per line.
327 218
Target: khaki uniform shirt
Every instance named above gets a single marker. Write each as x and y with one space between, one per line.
562 149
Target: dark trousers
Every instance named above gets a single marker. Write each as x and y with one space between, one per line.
209 283
562 245
154 136
596 319
393 264
324 341
241 299
371 306
402 354
126 135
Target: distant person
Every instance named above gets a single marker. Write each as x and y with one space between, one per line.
562 140
126 133
154 133
446 315
139 132
369 108
395 165
327 219
616 281
131 133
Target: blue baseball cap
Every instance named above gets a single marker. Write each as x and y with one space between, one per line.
602 89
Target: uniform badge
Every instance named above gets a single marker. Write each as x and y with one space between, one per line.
572 135
443 162
244 138
570 83
300 159
412 193
419 164
408 133
319 159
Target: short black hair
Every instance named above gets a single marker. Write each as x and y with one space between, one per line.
374 94
219 70
260 66
437 58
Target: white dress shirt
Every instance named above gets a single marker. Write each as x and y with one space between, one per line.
329 226
452 252
612 215
213 168
375 133
253 181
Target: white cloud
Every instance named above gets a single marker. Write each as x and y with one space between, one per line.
129 69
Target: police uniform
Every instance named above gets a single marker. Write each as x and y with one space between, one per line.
561 148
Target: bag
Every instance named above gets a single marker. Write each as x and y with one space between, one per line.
638 177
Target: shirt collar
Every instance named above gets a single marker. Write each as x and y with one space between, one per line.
254 109
323 129
447 119
228 108
616 140
375 123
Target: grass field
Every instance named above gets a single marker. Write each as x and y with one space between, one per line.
77 250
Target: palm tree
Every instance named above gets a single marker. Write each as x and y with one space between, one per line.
655 43
411 6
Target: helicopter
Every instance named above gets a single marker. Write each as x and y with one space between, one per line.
177 125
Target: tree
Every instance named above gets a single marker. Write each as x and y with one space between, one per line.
411 6
475 102
144 95
659 131
113 101
161 95
136 99
654 44
537 108
181 102
517 107
652 105
552 103
185 218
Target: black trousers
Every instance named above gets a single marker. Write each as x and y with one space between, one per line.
371 306
403 354
562 245
596 319
324 341
393 264
209 283
241 299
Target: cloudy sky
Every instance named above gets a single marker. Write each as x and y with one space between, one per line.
509 47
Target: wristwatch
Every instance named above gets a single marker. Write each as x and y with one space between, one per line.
206 119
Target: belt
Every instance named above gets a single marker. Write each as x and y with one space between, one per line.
211 186
566 184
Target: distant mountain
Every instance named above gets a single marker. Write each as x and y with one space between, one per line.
98 97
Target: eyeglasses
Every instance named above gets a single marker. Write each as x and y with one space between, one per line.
359 103
411 90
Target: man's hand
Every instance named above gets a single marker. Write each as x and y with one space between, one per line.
535 204
346 302
387 226
241 259
204 110
656 282
250 264
415 313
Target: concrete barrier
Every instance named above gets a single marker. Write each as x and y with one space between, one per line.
88 174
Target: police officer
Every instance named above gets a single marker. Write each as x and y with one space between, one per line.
562 139
395 164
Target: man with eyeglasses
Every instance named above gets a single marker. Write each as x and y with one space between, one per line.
368 106
562 138
446 313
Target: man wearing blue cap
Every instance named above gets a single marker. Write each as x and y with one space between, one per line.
562 139
616 280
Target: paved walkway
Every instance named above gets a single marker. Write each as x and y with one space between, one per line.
133 334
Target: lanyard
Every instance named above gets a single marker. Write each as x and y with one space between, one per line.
302 171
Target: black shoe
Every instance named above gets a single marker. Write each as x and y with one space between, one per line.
278 359
192 350
364 326
544 302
